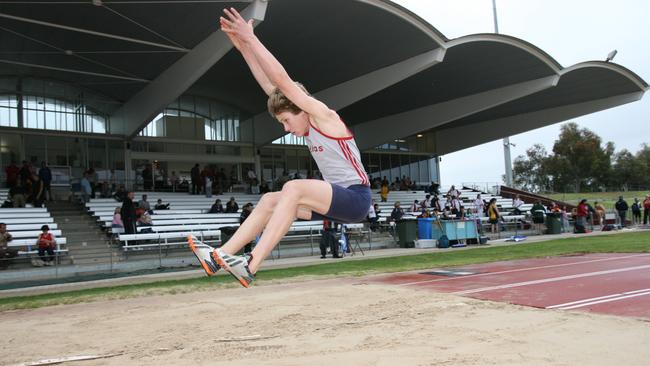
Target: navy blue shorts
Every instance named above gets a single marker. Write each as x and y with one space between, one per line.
349 205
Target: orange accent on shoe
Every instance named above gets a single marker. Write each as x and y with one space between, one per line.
201 261
243 282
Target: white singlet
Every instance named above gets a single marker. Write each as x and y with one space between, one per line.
338 158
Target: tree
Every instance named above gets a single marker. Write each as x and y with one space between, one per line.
530 171
625 170
579 161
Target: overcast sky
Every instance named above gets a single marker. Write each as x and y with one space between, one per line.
570 31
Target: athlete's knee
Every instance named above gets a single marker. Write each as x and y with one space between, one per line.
269 201
292 188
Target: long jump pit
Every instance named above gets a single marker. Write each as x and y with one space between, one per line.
532 312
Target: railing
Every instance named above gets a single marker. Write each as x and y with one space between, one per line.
485 187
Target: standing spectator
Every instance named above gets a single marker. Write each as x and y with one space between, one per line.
173 180
86 188
372 216
120 194
128 213
5 252
17 194
46 243
92 179
208 178
581 217
25 173
516 205
455 205
646 209
232 206
38 191
117 219
217 207
434 188
479 206
195 175
453 192
147 177
565 220
245 212
599 215
397 212
252 179
384 191
12 172
636 212
144 204
621 208
45 174
493 215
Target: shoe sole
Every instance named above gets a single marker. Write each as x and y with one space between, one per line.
195 250
225 266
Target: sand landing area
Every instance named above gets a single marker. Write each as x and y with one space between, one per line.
324 322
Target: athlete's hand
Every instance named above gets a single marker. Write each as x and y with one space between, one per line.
234 41
236 26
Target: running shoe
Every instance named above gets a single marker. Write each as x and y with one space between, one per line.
203 253
236 265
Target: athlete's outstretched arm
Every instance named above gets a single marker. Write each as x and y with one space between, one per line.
233 24
253 65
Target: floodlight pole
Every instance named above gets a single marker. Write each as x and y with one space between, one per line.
506 140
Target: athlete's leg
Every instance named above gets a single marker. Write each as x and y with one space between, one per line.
297 198
254 223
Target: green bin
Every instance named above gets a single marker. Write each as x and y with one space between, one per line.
406 232
554 223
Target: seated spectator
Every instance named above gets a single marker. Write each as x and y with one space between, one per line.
46 244
372 216
461 213
264 187
426 203
5 252
144 204
424 214
144 219
397 212
232 206
446 213
415 207
117 219
120 194
516 205
434 188
160 205
245 212
17 194
105 190
217 207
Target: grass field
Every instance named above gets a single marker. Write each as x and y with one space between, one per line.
608 198
619 243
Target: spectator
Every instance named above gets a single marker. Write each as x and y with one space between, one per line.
25 173
217 207
516 205
45 174
160 205
599 214
565 220
252 179
12 172
120 194
426 203
232 206
372 216
436 204
128 213
173 181
86 188
636 212
145 218
397 212
479 206
245 212
434 188
147 178
92 179
581 217
38 191
424 214
17 194
415 207
455 205
207 179
453 192
493 215
264 187
105 191
621 208
195 175
646 209
6 253
117 219
46 244
461 213
144 204
384 191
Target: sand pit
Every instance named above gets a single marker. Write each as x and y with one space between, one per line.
327 322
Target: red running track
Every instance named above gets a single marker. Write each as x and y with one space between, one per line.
617 284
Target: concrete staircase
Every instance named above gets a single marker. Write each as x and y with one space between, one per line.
86 242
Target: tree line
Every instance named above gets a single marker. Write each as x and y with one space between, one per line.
581 162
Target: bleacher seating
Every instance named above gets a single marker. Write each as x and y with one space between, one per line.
24 225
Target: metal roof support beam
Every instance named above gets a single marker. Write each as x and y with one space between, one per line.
351 91
374 133
448 141
169 85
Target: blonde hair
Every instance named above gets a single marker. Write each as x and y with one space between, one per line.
279 103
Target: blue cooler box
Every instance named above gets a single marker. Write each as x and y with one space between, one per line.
425 228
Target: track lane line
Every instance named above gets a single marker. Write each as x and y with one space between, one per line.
605 300
521 270
596 298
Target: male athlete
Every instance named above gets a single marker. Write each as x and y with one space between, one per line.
343 196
